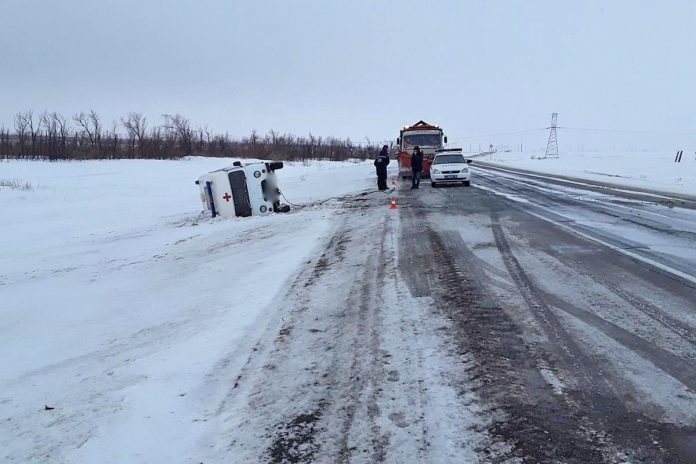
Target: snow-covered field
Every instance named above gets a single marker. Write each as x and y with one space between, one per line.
118 299
646 170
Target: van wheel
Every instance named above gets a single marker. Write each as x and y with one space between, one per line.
433 184
467 183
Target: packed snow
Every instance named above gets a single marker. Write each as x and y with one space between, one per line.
119 299
656 171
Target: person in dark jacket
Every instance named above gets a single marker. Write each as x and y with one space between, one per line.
381 164
416 167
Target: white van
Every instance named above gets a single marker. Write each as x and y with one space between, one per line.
242 190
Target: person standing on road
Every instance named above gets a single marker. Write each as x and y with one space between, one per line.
416 167
381 164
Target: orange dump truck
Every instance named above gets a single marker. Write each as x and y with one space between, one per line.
428 137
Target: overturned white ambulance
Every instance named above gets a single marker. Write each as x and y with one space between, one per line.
242 190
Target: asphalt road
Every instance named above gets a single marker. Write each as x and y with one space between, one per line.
516 320
579 307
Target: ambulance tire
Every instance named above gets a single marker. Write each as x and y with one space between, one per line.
433 184
467 183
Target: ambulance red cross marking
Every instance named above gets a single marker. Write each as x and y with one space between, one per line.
226 196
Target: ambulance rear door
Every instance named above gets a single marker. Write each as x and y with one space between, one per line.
240 194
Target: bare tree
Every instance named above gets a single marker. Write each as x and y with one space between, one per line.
181 128
156 141
253 138
33 127
130 131
200 132
82 120
63 127
136 127
114 141
20 125
96 127
5 145
50 134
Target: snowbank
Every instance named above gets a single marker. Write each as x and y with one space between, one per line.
646 170
118 301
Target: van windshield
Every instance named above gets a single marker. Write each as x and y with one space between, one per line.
446 159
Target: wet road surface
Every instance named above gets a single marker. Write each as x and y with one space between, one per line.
511 321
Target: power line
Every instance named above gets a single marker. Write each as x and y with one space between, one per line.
500 133
631 131
583 129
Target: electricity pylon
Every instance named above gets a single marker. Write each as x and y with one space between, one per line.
552 145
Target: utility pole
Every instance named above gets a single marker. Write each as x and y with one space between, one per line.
552 145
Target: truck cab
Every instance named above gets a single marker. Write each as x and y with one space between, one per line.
428 137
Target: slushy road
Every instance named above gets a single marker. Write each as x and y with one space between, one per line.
517 320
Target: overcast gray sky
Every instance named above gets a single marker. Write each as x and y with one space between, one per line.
359 68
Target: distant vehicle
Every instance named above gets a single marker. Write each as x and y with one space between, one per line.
426 136
242 190
450 167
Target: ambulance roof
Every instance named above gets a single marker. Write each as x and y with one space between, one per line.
241 166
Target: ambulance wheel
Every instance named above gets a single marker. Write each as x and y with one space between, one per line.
467 183
433 184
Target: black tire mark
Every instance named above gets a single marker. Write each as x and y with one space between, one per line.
575 360
606 410
538 426
474 265
596 391
602 409
412 254
678 327
683 330
606 275
664 360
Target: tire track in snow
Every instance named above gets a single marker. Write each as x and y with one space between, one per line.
365 365
603 278
536 424
595 393
334 382
616 427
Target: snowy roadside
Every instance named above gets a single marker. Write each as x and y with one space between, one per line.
118 301
358 370
654 171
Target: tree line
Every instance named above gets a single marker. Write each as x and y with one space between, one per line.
53 136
